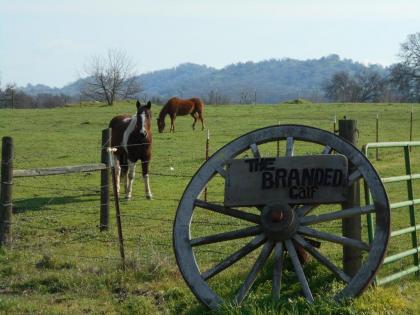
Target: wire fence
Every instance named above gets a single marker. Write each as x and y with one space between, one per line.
59 216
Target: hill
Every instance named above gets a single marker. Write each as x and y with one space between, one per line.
272 81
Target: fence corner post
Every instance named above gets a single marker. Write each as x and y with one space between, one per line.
6 191
351 227
105 175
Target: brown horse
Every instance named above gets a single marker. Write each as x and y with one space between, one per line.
132 141
180 107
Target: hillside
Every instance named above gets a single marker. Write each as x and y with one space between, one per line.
273 80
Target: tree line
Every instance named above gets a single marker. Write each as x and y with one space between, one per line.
400 84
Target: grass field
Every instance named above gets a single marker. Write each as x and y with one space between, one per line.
60 263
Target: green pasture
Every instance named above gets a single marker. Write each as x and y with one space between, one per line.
59 262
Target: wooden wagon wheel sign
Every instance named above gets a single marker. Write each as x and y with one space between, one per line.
285 190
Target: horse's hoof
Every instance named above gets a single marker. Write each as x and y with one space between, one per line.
149 197
127 198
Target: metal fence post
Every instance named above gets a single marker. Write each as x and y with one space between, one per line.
351 227
377 136
410 195
6 191
207 157
104 207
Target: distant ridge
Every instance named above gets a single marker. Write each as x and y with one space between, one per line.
274 80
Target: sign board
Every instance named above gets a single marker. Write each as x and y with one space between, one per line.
307 179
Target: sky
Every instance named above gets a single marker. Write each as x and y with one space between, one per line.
50 41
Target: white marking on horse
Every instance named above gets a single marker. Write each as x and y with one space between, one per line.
128 131
143 120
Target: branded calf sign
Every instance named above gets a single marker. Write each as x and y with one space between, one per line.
304 179
274 205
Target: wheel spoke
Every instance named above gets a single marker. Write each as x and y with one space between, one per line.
299 271
322 259
255 151
327 150
354 176
221 171
228 211
226 236
304 210
229 261
340 214
262 258
278 270
289 146
334 238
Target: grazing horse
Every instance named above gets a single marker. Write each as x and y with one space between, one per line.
180 107
132 141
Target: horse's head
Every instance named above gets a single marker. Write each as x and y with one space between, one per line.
161 124
144 117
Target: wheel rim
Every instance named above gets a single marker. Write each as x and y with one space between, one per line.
183 246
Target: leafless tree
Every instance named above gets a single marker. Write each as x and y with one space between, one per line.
111 78
405 76
410 53
215 97
366 86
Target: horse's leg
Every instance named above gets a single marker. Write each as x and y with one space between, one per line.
130 179
117 167
200 115
173 118
145 172
195 120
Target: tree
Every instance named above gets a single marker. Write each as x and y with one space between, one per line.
110 78
405 76
214 98
410 53
366 86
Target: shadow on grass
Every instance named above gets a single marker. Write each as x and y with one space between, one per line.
43 203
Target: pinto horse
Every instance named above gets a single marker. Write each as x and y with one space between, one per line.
132 141
180 107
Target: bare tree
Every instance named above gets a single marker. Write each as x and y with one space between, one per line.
405 76
366 86
410 53
110 78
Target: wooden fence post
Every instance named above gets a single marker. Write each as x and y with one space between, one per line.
13 98
351 227
104 207
6 191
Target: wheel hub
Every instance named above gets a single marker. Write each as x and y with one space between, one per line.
279 221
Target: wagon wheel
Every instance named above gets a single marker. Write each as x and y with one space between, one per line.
306 229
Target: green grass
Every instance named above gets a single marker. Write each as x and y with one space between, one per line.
60 263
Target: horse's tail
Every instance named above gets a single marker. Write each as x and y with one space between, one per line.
200 105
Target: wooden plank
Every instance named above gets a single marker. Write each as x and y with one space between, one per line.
309 179
59 170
